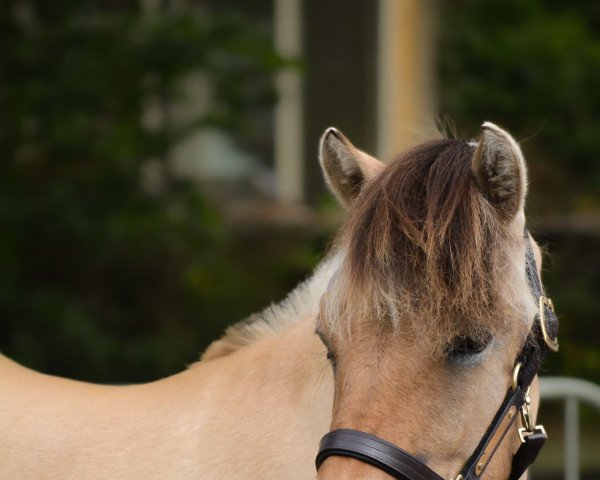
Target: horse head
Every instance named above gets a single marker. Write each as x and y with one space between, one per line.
431 305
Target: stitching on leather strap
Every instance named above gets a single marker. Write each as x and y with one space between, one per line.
388 445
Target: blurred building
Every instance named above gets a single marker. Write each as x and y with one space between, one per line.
367 70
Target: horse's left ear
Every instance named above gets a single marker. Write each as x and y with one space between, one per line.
345 167
499 170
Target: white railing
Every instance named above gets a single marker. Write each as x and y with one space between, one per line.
572 391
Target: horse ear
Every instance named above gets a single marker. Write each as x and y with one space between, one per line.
499 170
346 168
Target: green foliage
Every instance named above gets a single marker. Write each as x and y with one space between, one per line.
101 278
533 66
573 277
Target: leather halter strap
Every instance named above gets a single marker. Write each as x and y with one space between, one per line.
375 451
402 465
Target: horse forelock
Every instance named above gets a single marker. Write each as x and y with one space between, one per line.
423 244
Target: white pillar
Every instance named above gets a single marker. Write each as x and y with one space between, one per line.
289 157
405 83
571 439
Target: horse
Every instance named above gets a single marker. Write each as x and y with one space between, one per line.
408 330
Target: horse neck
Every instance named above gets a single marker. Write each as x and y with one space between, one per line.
280 386
280 344
272 378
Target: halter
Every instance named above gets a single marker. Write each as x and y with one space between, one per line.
402 465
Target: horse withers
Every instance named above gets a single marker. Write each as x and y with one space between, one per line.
408 331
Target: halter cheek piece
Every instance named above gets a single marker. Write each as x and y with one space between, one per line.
402 465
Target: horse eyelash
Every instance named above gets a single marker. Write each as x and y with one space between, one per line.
330 355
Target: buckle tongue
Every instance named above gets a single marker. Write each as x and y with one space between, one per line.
545 302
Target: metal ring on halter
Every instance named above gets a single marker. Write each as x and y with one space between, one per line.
515 376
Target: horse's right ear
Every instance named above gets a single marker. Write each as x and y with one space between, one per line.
345 167
499 170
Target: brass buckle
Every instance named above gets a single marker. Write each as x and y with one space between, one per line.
523 434
552 344
527 428
515 376
526 411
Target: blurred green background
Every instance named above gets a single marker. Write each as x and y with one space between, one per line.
117 266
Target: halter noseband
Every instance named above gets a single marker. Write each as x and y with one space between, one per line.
402 465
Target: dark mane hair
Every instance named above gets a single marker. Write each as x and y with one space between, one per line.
422 242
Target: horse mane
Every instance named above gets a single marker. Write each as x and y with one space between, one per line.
300 303
423 245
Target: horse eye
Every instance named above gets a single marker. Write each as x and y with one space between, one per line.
330 354
332 360
466 346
